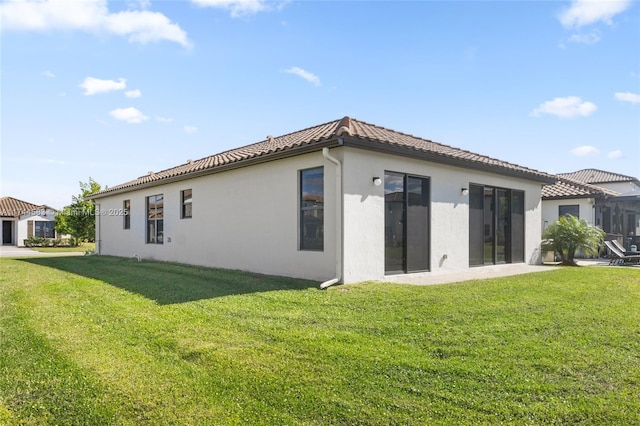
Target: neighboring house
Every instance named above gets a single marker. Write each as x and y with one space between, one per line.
344 200
607 200
21 220
613 181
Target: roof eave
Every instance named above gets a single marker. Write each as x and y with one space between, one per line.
264 158
571 197
626 197
385 147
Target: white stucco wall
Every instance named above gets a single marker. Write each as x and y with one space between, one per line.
243 219
550 210
248 218
364 213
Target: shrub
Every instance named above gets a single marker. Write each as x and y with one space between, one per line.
35 242
569 233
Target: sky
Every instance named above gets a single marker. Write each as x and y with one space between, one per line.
111 90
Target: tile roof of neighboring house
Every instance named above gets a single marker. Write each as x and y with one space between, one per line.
12 207
346 131
569 188
595 176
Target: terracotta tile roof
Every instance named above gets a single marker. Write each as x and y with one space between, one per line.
569 188
352 132
12 207
595 176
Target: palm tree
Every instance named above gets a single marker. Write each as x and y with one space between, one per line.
569 233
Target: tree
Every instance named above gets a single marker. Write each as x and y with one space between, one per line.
569 233
78 219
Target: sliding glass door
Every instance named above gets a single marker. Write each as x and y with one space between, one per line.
406 223
496 225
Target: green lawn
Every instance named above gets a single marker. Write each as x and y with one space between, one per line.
81 248
108 341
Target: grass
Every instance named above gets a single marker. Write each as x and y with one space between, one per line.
109 341
81 248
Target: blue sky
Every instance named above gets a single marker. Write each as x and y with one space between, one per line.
114 89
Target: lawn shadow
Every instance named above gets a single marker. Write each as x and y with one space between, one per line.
169 283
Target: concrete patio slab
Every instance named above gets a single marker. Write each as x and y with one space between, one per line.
478 273
13 251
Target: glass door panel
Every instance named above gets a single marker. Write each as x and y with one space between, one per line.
476 225
489 226
417 224
394 218
517 226
502 227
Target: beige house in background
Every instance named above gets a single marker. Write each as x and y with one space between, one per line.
342 201
21 220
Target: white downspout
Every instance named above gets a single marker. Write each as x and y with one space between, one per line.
98 234
338 225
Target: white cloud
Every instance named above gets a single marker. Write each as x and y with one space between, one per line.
586 12
164 119
311 78
93 86
138 4
634 98
590 38
133 93
130 115
144 27
236 7
190 129
585 151
614 154
568 107
90 16
48 74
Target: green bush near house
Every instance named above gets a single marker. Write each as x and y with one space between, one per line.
48 242
84 247
110 341
568 234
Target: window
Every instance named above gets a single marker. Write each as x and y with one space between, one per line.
44 229
185 203
126 210
312 209
155 219
406 217
573 210
496 225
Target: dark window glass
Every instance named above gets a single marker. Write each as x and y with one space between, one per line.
573 210
517 226
489 222
126 210
155 219
44 229
186 198
312 209
417 224
503 230
406 207
394 213
496 225
476 224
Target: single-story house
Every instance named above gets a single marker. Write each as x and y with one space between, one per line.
22 220
341 201
607 200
